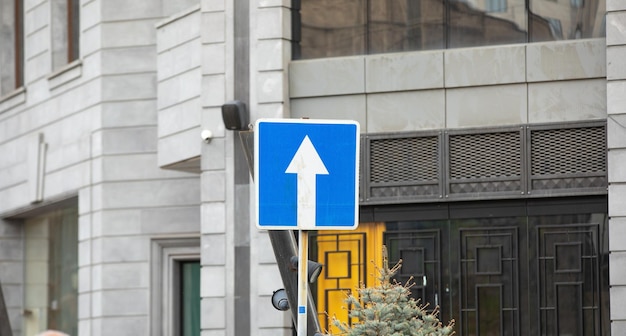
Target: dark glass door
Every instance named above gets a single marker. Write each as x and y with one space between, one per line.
521 269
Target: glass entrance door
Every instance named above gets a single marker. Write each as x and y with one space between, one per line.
528 267
515 270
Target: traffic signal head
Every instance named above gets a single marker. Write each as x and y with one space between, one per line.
314 269
279 300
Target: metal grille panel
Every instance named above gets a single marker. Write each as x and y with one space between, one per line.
404 167
482 163
568 160
568 151
404 160
511 162
486 155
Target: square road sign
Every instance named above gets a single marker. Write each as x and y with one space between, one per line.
306 174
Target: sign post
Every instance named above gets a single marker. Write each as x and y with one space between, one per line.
303 290
306 173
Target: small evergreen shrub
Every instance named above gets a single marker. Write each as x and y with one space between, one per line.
388 310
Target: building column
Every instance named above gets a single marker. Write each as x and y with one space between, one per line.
616 143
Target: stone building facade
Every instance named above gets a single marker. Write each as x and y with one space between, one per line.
110 199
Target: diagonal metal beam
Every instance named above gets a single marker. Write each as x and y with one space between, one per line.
285 246
5 324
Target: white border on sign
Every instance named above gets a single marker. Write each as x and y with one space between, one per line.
306 121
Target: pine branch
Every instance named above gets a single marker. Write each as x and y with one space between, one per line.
387 309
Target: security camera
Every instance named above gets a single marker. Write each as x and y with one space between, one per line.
206 135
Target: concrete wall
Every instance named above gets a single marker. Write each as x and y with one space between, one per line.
616 142
56 114
97 121
456 88
270 35
179 61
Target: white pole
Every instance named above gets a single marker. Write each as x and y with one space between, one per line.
303 256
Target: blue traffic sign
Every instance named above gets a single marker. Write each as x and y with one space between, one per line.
306 174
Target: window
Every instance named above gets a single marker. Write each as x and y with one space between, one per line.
328 28
495 6
51 272
571 19
65 32
11 46
175 268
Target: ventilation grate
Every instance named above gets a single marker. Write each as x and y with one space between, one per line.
546 160
570 151
568 160
400 160
485 155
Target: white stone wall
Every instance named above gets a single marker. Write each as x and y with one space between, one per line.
132 199
455 88
217 171
270 55
98 120
616 142
205 83
179 79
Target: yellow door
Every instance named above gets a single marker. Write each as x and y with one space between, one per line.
350 259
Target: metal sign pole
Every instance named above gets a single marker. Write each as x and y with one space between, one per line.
324 147
303 251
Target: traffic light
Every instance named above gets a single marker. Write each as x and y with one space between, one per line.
280 299
314 269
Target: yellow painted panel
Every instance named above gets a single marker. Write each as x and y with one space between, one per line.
350 259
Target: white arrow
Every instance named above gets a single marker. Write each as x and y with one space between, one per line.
307 164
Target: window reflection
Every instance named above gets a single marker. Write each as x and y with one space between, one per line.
327 28
11 46
405 25
479 22
65 32
331 28
567 19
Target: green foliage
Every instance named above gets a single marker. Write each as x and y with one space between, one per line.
388 310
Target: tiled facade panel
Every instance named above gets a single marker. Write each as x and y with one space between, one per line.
564 101
484 66
404 72
406 110
504 85
484 106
